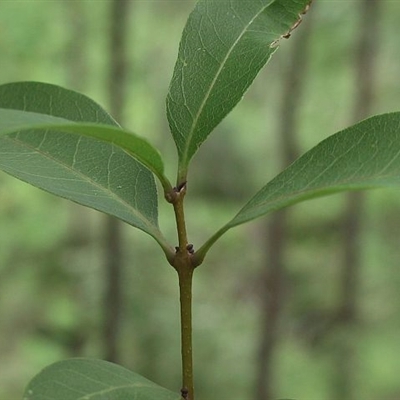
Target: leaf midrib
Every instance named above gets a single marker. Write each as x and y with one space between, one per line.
203 103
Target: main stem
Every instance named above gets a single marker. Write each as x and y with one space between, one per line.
183 263
185 290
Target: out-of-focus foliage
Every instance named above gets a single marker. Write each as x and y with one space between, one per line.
50 251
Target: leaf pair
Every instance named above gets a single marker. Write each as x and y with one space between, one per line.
96 165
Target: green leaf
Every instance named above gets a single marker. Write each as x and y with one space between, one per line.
224 45
88 379
94 173
363 156
12 121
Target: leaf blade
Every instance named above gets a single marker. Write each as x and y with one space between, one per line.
104 176
363 156
12 121
223 47
90 379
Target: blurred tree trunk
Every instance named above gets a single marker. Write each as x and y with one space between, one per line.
274 275
76 49
364 67
78 235
119 13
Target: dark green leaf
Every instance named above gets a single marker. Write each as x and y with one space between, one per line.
223 47
87 379
364 156
90 172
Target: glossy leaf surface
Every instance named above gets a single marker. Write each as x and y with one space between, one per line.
224 45
89 379
363 156
94 173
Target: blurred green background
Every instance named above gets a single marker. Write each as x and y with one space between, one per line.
52 276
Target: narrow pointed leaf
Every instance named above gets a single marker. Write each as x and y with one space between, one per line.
363 156
89 379
224 45
90 172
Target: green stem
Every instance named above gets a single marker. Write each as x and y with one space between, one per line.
180 219
183 263
185 290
